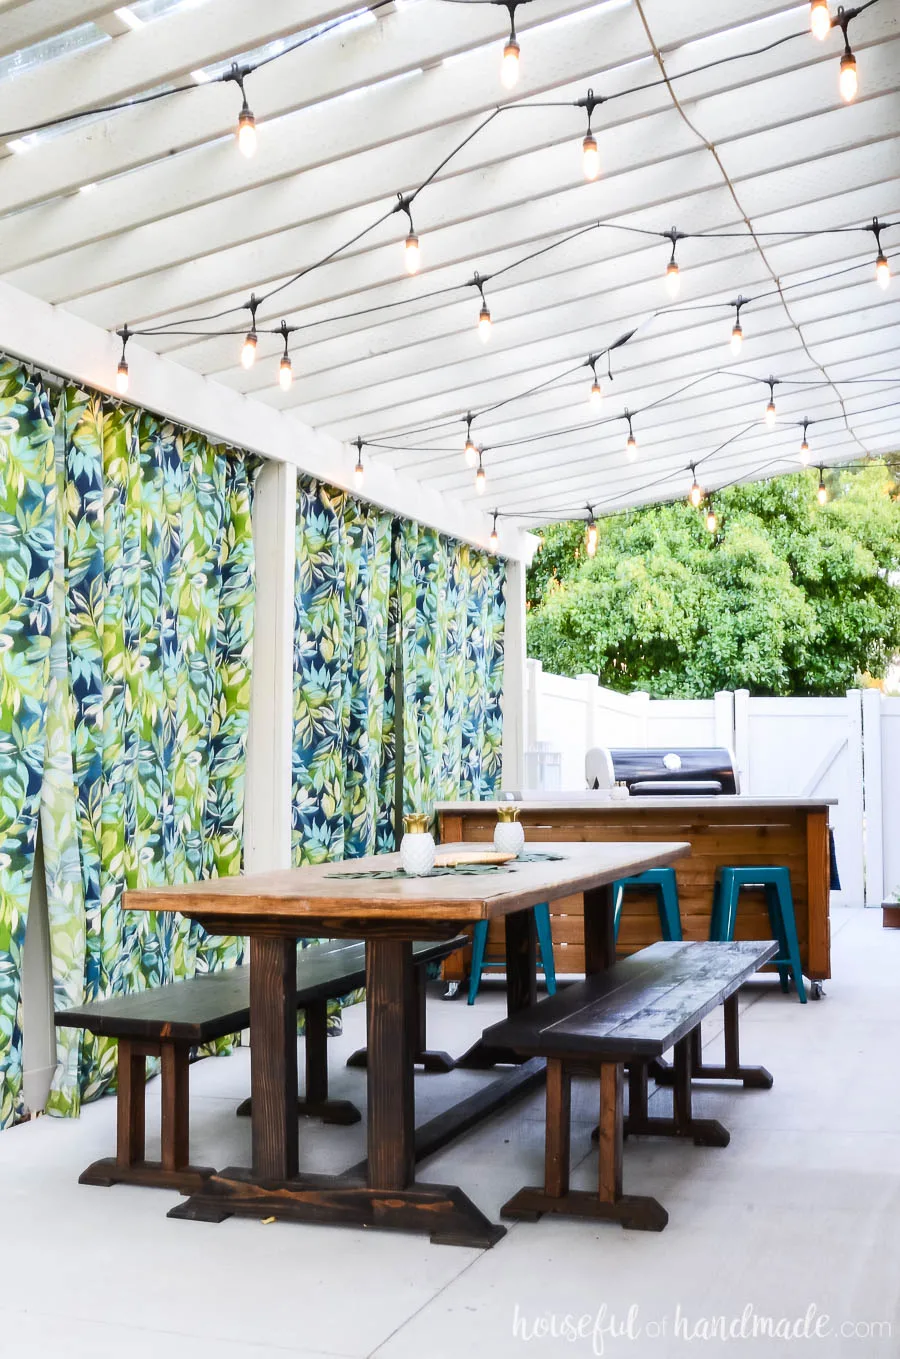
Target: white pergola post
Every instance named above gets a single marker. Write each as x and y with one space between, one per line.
267 814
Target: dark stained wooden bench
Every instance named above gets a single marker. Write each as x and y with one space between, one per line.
629 1015
169 1021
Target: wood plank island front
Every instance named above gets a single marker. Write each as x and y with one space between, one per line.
722 831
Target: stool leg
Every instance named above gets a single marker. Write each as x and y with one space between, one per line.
618 896
789 931
545 939
667 905
776 925
715 913
728 903
479 941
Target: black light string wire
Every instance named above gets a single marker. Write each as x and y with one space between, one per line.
239 73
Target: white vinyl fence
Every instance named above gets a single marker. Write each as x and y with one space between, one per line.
846 748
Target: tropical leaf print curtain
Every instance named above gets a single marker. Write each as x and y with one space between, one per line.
342 590
134 544
391 620
27 512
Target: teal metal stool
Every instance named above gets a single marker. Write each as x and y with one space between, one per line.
776 881
662 881
545 943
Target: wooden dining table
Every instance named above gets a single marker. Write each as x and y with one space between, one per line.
344 901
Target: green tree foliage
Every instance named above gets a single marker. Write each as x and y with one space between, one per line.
786 598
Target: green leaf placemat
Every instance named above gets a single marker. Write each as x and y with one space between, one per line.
386 874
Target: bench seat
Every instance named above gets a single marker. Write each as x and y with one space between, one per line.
630 1014
168 1021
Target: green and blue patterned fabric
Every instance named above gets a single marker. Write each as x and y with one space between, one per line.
135 701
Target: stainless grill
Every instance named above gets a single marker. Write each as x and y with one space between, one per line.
696 771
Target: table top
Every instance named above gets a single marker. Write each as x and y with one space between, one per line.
324 894
599 802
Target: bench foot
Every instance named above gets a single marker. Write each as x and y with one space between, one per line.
635 1212
149 1174
703 1132
442 1212
751 1077
338 1111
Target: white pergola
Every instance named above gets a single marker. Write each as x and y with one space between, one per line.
148 216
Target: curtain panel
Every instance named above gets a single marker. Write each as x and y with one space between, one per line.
139 656
398 659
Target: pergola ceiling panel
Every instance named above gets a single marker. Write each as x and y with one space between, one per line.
750 136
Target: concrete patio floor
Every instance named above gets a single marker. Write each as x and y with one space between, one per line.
801 1211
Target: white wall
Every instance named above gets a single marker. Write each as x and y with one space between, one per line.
798 746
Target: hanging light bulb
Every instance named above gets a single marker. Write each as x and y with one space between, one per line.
882 268
411 255
595 400
246 132
822 492
631 448
770 409
248 350
696 492
712 522
590 535
495 536
737 334
470 451
480 478
849 81
359 472
285 371
509 66
804 447
819 19
673 278
122 370
484 323
590 157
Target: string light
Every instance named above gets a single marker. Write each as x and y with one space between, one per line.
495 536
470 451
696 492
882 268
804 447
245 132
770 409
509 66
819 19
712 522
673 278
411 256
484 316
480 477
122 371
285 371
359 472
596 396
631 448
737 334
590 156
822 492
848 82
590 535
248 351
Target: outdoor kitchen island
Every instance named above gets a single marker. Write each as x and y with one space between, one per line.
722 831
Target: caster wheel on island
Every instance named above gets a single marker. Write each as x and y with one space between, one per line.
816 990
452 991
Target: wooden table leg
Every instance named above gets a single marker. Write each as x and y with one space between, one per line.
388 1196
599 930
521 989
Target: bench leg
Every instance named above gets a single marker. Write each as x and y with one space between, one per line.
315 1102
705 1132
129 1165
751 1077
431 1060
609 1204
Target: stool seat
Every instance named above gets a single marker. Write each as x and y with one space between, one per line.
775 879
662 881
545 944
